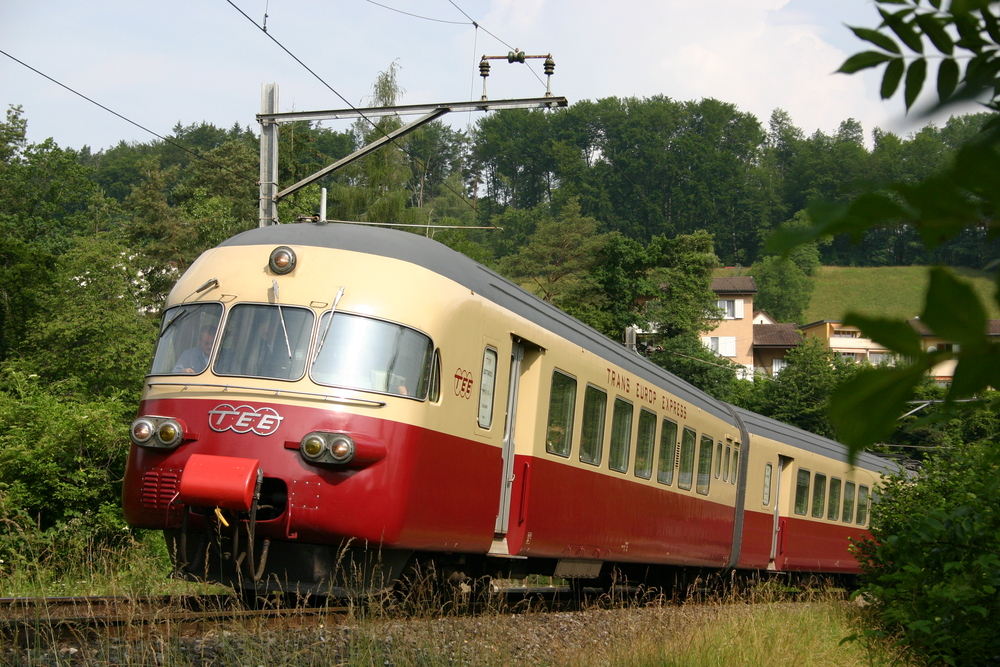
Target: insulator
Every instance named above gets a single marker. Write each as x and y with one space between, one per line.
484 68
515 56
549 66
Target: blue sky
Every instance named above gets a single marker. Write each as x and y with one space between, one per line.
160 63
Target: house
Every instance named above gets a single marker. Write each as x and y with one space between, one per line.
771 342
945 371
732 337
847 342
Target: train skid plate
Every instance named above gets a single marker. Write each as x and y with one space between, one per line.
219 481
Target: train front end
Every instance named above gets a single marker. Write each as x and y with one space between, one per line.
289 435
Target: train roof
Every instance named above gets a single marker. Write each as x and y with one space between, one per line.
441 259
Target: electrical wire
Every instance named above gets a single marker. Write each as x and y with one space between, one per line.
418 16
172 142
392 140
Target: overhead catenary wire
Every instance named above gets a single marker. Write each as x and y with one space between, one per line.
417 16
374 125
172 142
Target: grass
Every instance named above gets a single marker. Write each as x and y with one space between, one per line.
887 291
724 631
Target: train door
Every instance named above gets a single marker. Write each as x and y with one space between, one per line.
522 355
783 488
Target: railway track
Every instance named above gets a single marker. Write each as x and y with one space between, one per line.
23 619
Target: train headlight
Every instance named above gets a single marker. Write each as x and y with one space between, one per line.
326 447
341 449
142 430
169 433
313 446
159 432
282 260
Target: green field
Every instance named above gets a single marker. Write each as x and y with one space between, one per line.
888 291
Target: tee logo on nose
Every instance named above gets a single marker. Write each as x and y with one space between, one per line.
244 419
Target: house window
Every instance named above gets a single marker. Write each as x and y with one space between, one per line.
845 333
732 309
879 358
724 346
778 365
850 356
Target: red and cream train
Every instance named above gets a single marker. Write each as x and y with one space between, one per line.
329 399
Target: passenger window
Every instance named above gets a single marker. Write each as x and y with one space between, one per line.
802 492
595 404
668 450
819 495
705 465
848 515
718 459
621 435
833 504
736 464
767 485
725 471
644 444
487 387
862 505
562 405
685 478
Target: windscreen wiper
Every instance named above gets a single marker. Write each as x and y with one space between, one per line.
329 322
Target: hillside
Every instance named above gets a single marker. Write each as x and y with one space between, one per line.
890 291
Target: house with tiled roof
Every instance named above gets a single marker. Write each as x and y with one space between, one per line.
732 336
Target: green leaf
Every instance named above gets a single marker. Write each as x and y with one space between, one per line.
947 78
991 23
976 370
876 38
915 76
903 30
953 310
863 60
934 29
897 335
865 408
890 78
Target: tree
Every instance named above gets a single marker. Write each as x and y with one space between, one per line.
800 393
783 289
91 322
960 197
557 263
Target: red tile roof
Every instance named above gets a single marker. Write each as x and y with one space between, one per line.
734 285
776 335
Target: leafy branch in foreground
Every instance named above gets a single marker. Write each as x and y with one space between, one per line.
962 196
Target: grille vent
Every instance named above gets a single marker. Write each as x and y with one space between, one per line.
159 487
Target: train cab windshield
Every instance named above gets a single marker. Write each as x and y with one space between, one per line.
265 341
187 335
359 352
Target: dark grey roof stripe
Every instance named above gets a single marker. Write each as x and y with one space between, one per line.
776 430
494 287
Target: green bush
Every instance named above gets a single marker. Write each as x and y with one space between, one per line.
932 571
62 458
